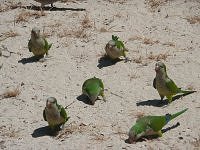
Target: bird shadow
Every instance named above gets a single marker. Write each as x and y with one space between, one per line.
44 131
48 8
105 61
161 103
29 60
83 98
169 128
150 137
154 102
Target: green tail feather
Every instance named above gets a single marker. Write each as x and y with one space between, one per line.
187 92
177 114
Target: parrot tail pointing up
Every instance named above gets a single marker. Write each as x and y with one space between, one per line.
170 117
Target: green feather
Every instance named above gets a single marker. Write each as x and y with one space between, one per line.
152 123
118 43
172 86
47 46
63 113
93 87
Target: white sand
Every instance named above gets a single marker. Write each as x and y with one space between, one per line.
74 58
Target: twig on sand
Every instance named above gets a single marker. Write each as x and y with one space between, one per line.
69 104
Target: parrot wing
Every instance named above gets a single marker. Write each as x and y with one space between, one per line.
156 123
172 87
63 113
44 115
154 83
47 46
29 45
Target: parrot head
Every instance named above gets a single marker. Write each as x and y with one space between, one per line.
160 67
35 32
51 102
135 133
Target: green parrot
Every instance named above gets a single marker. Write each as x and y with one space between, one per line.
115 48
164 85
93 87
150 125
38 45
54 114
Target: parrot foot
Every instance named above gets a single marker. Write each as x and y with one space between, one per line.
62 127
127 59
93 102
51 7
42 60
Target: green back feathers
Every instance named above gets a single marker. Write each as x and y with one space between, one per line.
158 122
172 86
118 43
154 122
93 86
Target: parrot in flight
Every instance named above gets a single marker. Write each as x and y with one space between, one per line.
54 114
115 48
92 88
38 45
164 85
150 125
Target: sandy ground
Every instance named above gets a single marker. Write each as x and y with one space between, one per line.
168 30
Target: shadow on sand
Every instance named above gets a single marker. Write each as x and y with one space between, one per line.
44 131
83 98
48 8
30 60
105 61
161 103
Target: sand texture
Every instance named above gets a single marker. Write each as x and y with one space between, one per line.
166 30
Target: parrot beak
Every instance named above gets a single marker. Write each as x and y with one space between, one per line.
130 140
48 105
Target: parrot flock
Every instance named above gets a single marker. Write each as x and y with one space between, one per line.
56 115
